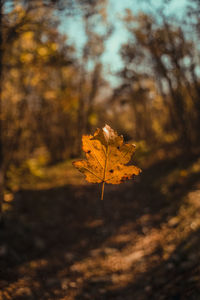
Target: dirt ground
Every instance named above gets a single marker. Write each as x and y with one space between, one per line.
143 242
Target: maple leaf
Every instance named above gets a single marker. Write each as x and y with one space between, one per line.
107 156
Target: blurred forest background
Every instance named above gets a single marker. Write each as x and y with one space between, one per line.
53 91
51 95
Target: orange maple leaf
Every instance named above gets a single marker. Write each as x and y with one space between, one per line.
107 156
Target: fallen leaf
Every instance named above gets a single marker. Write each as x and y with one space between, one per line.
107 156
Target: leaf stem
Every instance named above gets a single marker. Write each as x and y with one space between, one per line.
102 190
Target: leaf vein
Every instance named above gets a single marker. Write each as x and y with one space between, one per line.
95 154
93 173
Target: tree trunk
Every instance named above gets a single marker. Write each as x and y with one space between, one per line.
1 119
92 95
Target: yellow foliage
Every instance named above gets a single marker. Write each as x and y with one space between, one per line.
93 119
19 10
183 173
26 57
54 46
42 51
50 95
8 197
68 72
35 80
28 40
28 35
14 73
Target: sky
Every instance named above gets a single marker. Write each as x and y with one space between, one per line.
73 28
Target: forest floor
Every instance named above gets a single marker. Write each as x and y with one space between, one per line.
60 242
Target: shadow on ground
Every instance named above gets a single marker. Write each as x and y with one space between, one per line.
60 243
